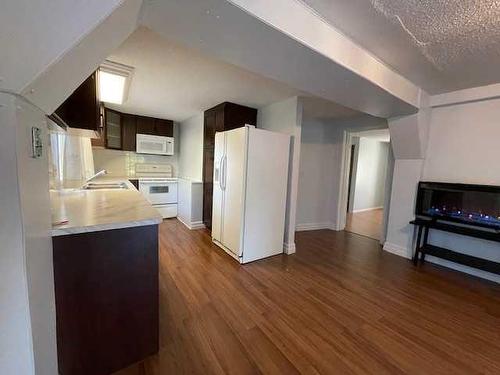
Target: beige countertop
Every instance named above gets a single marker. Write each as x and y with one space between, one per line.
98 210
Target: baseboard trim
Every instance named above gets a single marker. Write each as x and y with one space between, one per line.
367 209
397 250
192 225
197 225
315 226
289 248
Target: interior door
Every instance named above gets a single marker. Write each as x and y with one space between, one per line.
233 174
218 192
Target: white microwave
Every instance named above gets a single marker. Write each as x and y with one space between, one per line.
154 144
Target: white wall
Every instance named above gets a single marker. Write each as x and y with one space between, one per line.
27 330
41 38
317 155
37 223
16 352
286 117
369 186
407 173
409 139
389 175
190 162
191 148
464 144
464 147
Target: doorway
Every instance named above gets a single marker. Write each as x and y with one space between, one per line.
367 182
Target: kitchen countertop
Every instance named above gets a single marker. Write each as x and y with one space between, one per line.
98 210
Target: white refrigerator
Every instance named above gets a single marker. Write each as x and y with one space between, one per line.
249 193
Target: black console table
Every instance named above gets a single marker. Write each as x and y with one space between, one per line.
423 248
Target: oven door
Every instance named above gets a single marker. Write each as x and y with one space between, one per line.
159 192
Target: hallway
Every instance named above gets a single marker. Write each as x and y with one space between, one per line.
366 223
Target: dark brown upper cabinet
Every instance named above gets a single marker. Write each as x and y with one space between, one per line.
145 125
113 129
225 116
129 131
164 128
120 129
154 126
81 108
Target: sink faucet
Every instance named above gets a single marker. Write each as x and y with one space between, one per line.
100 173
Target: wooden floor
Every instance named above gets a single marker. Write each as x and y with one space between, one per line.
340 305
365 223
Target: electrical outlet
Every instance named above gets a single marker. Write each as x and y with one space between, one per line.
36 142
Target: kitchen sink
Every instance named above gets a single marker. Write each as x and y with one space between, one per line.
105 186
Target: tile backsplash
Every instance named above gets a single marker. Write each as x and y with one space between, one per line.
122 163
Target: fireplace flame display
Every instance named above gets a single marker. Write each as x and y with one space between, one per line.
477 205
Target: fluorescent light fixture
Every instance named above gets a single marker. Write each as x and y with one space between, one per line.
114 81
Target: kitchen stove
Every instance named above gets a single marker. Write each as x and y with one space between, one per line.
157 184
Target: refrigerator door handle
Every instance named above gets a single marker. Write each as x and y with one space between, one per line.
223 172
218 170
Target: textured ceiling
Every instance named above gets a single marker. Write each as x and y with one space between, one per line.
441 45
448 33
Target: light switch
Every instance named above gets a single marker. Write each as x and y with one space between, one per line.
36 142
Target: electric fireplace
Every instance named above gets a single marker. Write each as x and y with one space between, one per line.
474 205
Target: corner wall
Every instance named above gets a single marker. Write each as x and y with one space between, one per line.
317 154
286 117
16 342
28 339
191 148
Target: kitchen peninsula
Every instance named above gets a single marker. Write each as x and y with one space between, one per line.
105 242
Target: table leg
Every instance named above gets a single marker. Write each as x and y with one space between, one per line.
426 237
417 245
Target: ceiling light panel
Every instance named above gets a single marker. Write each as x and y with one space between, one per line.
114 82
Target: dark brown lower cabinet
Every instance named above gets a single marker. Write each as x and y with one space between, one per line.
135 182
106 287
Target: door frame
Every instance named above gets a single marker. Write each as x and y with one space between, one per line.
344 181
341 217
351 179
